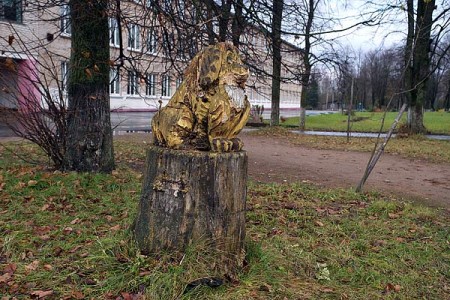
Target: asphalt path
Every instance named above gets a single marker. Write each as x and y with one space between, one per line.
128 122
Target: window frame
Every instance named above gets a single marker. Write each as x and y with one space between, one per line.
134 37
114 81
15 8
64 68
152 41
165 86
66 26
150 88
114 32
133 83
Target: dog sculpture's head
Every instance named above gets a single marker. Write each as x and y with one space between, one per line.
221 64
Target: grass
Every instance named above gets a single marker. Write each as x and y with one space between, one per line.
65 235
435 122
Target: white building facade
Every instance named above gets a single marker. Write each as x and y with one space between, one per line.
37 43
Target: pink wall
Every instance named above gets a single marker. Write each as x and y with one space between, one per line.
29 97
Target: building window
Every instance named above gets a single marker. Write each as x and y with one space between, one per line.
113 32
152 40
114 85
134 41
133 83
66 27
11 10
165 91
150 89
64 74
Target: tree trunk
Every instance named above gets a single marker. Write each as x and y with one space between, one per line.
192 197
89 139
277 15
418 60
306 62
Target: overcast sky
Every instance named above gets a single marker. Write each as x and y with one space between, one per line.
365 37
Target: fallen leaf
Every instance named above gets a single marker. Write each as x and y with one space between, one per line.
75 221
20 185
57 251
77 295
126 296
67 230
5 278
379 243
41 230
393 216
75 249
265 288
48 267
41 294
144 273
45 207
32 266
10 268
44 237
32 182
392 287
115 228
318 223
89 281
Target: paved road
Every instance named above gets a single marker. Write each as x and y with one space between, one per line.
140 121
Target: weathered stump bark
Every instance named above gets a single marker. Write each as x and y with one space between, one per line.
194 197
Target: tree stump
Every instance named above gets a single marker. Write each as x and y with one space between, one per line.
191 197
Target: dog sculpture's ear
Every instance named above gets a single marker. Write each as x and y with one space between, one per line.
209 65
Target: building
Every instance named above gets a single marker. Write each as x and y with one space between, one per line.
35 43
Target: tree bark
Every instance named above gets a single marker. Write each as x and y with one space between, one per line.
306 53
192 197
418 60
89 139
277 15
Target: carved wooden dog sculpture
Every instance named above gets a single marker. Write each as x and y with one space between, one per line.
210 107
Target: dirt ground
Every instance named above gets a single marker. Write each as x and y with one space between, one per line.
278 160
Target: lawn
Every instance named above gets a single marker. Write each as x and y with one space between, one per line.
435 122
65 236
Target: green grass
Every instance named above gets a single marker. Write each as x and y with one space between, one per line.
435 122
66 234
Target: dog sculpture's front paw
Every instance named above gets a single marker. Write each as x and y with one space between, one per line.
226 145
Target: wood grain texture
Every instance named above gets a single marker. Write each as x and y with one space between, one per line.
193 197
